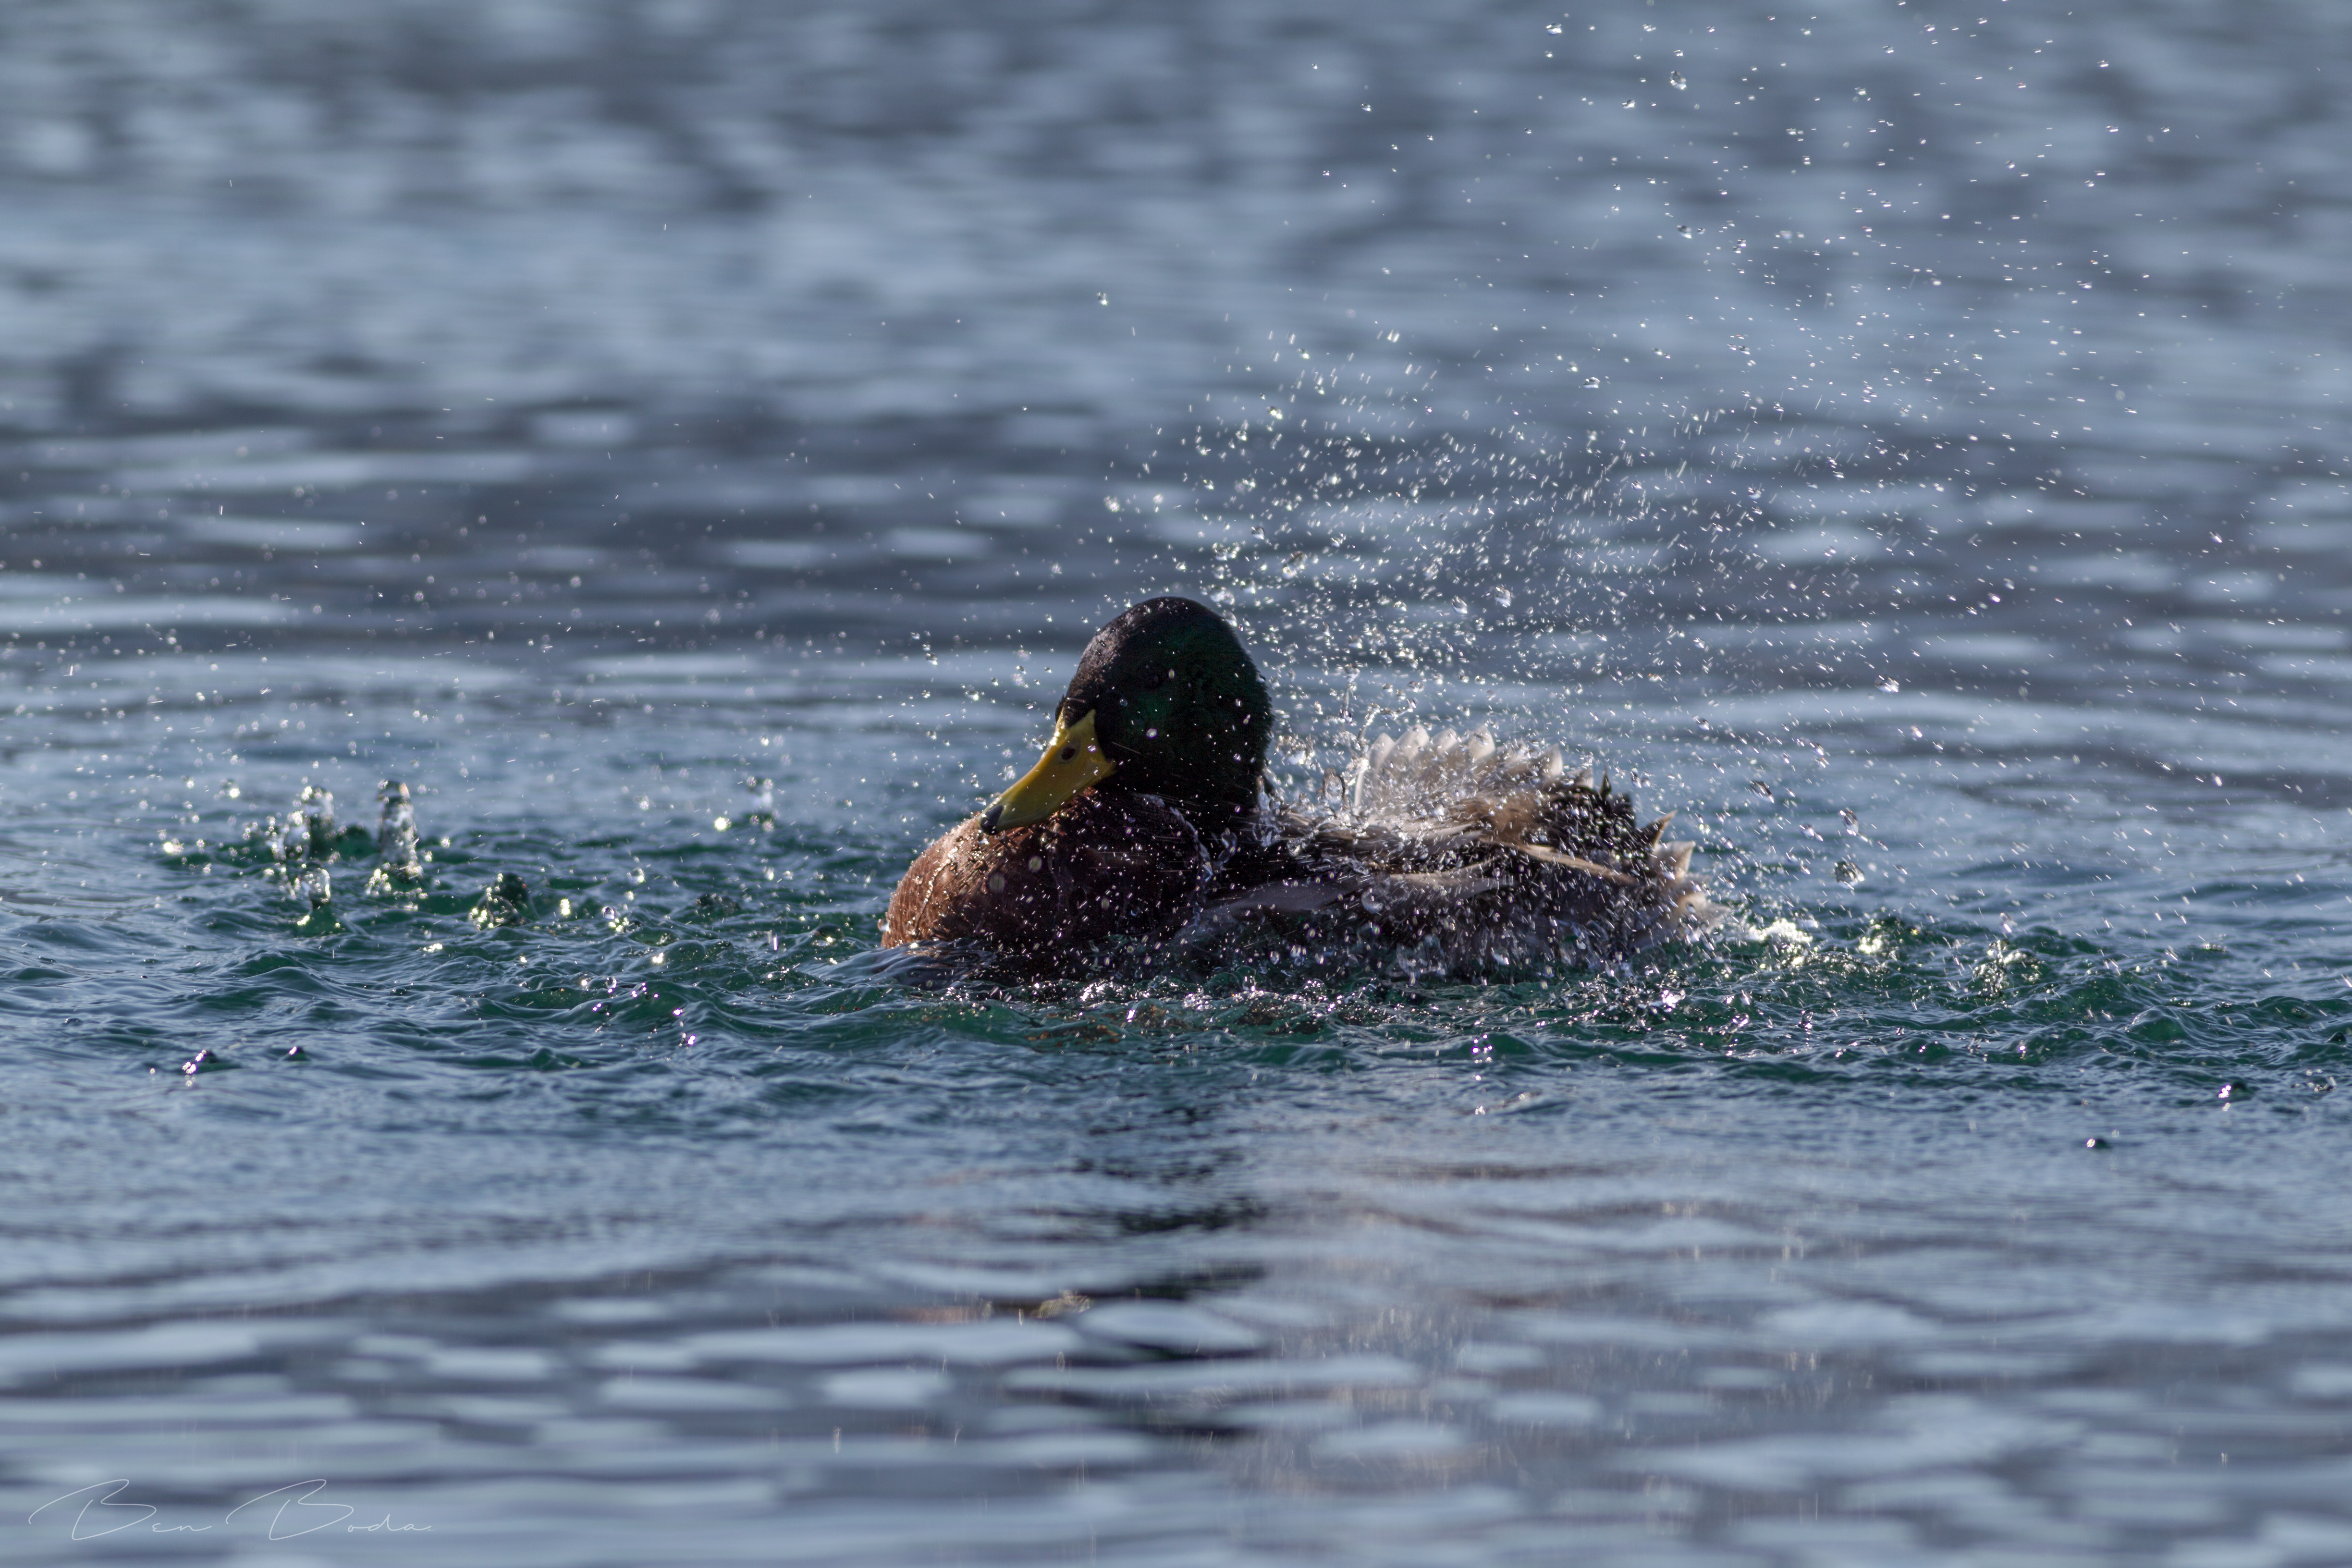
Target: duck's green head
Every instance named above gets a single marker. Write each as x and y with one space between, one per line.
1165 702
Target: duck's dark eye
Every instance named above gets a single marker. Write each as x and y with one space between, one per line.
1068 752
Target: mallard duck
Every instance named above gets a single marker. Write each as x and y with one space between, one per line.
1150 817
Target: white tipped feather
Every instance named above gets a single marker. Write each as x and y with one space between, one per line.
1515 770
1438 757
1405 763
1371 771
1420 776
1576 863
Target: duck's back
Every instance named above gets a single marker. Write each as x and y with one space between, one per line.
1452 843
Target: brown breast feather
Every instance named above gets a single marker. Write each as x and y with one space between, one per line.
1107 864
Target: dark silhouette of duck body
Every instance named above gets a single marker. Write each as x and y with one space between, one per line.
1148 819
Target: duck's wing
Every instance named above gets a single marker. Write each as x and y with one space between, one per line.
1446 788
1387 906
1481 850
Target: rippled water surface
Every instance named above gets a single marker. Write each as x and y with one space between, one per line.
687 444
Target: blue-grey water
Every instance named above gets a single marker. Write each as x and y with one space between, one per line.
687 444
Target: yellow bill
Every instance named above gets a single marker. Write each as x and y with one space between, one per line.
1071 763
